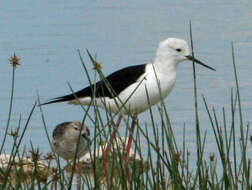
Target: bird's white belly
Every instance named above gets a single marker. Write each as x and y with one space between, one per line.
66 148
147 94
139 96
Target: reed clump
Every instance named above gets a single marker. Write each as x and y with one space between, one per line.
166 165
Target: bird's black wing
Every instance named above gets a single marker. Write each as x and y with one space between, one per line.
118 81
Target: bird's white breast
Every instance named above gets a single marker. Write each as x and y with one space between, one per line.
66 147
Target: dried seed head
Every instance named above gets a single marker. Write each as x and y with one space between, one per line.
14 133
211 157
14 60
97 66
176 157
49 156
35 155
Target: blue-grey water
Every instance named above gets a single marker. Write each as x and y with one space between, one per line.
46 35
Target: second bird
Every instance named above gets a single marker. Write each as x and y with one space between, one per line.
65 140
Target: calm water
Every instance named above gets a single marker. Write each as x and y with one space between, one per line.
46 36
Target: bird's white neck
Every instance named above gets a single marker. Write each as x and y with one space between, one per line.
165 65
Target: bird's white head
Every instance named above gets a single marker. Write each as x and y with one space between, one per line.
172 51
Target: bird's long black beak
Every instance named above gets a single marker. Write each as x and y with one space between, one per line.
189 57
86 137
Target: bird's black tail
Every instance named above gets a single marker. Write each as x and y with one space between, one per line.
59 99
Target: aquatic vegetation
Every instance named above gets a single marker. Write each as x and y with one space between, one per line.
163 164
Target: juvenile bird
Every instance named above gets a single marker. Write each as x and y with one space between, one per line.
65 140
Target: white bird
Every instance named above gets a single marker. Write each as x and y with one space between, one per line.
65 140
134 89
